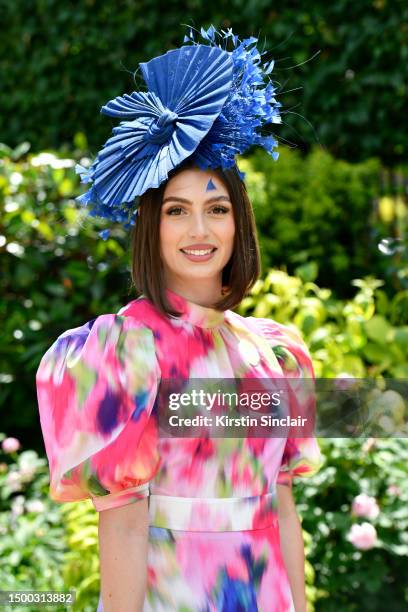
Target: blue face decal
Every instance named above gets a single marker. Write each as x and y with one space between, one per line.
210 185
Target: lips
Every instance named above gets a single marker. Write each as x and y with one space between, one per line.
199 252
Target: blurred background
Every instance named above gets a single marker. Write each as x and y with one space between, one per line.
332 217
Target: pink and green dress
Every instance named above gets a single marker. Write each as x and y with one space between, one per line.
214 541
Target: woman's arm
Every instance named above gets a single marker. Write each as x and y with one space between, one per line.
292 545
123 542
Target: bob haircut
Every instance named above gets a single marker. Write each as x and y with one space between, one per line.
238 275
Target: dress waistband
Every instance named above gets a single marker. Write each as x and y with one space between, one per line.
213 513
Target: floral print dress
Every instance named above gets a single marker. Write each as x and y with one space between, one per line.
214 541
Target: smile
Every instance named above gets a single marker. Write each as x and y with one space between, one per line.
199 254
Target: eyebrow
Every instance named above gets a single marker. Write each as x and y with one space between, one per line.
184 201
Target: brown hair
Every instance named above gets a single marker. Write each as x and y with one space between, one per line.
238 275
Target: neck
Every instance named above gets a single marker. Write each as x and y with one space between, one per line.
205 293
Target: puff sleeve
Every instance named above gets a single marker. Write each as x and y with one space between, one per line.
96 388
301 456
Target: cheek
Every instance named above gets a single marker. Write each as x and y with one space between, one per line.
169 237
165 231
229 232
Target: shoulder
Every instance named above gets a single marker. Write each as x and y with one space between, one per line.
103 329
109 336
96 388
286 342
268 328
271 329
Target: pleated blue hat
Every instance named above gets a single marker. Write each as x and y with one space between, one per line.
202 102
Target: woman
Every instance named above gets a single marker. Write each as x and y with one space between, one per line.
185 523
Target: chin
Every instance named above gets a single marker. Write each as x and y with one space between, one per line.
201 274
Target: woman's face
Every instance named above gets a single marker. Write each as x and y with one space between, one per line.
196 228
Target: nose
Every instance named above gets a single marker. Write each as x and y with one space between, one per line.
198 225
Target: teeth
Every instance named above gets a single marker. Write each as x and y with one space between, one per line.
206 252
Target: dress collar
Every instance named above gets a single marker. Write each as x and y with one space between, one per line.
198 315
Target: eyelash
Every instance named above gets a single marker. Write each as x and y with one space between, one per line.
222 208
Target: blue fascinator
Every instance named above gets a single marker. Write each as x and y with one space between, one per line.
203 102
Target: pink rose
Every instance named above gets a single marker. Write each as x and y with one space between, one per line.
365 505
13 481
394 490
10 445
362 536
27 472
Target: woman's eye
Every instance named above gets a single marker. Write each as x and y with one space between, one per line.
178 210
174 211
220 210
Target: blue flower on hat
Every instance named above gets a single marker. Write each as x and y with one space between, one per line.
202 102
251 104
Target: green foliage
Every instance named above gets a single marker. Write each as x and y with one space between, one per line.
312 592
341 66
45 545
32 546
56 271
363 337
317 209
82 560
348 578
